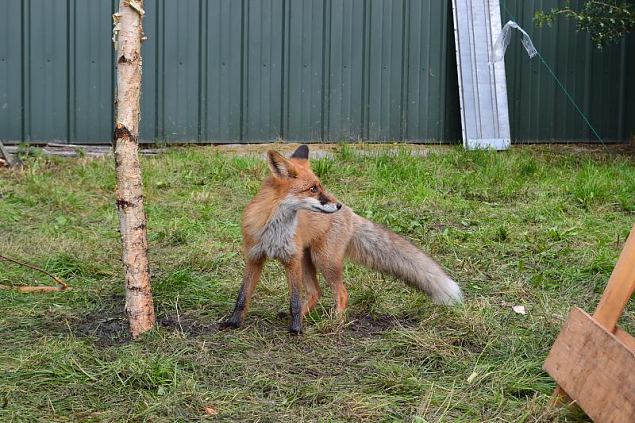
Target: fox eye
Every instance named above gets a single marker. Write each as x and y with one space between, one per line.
314 189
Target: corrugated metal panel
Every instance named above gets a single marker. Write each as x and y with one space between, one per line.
227 71
344 62
385 70
482 84
539 109
11 95
90 79
46 70
262 91
257 70
304 69
431 74
151 125
222 74
180 70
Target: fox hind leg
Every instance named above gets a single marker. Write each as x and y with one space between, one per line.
335 277
332 267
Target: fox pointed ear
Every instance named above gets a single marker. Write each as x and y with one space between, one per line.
280 166
301 152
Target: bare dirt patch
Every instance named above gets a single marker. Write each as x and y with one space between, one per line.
365 325
106 331
107 325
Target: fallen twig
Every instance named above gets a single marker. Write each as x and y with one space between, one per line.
36 288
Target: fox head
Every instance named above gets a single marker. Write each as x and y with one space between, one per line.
294 177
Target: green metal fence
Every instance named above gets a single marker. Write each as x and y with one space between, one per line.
596 80
258 70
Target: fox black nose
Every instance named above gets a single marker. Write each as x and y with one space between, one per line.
338 205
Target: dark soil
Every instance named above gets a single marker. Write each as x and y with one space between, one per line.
107 325
107 331
365 325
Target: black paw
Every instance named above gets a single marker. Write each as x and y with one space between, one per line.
229 324
295 330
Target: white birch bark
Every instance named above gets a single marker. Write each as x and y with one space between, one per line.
128 32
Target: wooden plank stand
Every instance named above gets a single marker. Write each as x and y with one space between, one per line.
593 360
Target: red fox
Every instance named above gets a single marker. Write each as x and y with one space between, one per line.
294 220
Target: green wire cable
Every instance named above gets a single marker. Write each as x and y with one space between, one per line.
561 85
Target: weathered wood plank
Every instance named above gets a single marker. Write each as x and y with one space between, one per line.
620 287
4 154
595 368
625 338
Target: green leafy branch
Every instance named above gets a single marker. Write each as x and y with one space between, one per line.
606 21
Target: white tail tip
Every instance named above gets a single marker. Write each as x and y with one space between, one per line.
447 292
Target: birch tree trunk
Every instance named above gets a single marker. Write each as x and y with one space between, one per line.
128 32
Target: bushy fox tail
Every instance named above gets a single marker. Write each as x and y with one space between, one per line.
373 246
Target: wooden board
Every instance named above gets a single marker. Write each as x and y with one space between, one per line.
4 156
620 287
595 368
625 338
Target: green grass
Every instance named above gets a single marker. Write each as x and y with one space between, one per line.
537 226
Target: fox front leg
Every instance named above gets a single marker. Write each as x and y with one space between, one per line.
250 280
294 278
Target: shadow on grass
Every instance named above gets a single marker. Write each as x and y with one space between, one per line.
107 326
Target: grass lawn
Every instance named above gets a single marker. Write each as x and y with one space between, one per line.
535 226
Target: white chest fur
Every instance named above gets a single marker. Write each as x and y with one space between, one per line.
277 237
